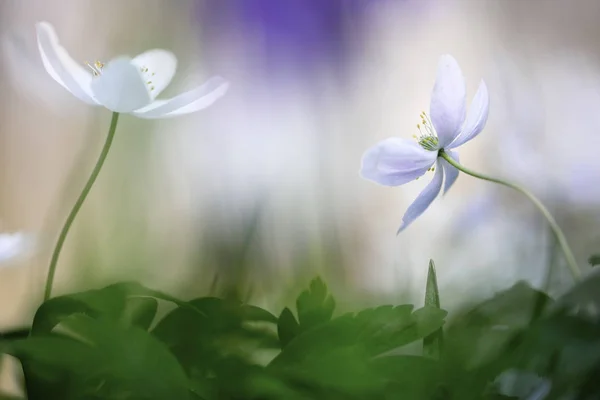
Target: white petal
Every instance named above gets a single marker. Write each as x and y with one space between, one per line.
120 87
59 64
188 102
450 172
424 199
158 68
478 115
396 161
14 245
447 106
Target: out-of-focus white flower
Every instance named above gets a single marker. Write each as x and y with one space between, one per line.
14 246
124 84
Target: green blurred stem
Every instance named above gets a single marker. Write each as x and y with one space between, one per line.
558 233
78 204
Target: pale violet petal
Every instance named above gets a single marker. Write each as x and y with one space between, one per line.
188 102
447 108
120 87
396 161
158 68
450 172
424 199
477 117
59 64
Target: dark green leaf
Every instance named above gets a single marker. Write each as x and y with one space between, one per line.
112 302
411 377
140 311
372 332
314 305
482 333
53 366
287 327
594 260
4 396
225 327
127 360
584 294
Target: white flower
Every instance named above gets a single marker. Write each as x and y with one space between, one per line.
124 84
396 161
13 245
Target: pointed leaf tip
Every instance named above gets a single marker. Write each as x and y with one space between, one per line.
432 344
432 294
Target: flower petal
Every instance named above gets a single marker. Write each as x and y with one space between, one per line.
450 172
424 199
447 106
477 117
59 64
158 68
188 102
120 87
14 245
396 161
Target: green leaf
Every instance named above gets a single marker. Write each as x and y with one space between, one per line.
287 327
103 360
55 352
344 369
123 304
594 260
314 305
411 377
4 396
432 293
432 344
225 327
113 302
345 345
481 334
583 295
140 311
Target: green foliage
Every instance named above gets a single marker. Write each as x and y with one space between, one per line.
432 344
109 344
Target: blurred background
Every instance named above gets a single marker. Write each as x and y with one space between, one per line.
260 192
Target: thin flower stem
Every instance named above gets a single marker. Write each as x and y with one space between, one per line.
78 204
560 237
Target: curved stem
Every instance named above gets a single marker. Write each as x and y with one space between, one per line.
560 237
78 204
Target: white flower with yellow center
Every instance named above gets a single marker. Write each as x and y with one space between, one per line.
396 161
124 84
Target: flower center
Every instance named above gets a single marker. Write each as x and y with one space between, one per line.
147 74
427 138
96 67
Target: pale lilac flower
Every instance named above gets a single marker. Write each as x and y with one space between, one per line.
124 84
13 246
397 161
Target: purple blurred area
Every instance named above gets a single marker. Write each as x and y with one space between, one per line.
290 37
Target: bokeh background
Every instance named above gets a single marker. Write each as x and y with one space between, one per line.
261 191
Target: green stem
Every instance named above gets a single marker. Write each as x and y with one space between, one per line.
78 204
560 237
